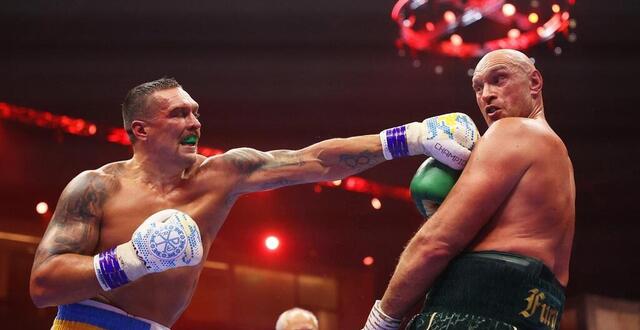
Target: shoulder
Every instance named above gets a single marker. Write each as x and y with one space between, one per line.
100 181
520 133
511 143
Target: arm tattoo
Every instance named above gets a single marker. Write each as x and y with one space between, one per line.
248 160
75 225
280 182
361 161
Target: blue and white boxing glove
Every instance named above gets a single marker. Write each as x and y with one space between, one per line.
167 239
448 138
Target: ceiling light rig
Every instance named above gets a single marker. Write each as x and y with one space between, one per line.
472 28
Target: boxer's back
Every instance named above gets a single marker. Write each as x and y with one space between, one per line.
537 218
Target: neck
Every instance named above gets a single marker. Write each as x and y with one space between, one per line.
159 173
538 111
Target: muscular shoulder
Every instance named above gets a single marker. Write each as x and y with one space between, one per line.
92 186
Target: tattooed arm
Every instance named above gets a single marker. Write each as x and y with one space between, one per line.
327 160
62 271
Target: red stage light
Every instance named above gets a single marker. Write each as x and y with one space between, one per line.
430 26
368 261
272 243
533 18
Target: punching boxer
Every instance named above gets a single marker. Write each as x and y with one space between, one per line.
495 254
125 245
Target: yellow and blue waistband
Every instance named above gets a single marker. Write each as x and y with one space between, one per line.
84 317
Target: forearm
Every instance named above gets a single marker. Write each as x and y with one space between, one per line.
64 279
339 158
419 266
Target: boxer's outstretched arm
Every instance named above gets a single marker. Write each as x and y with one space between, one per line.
63 269
494 169
327 160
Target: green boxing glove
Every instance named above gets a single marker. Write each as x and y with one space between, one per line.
431 184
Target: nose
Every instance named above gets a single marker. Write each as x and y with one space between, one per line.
488 94
194 123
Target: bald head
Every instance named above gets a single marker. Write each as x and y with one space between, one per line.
507 84
297 319
508 57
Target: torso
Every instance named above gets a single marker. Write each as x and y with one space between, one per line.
161 297
537 218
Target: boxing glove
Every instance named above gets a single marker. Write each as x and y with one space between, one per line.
431 184
167 239
448 138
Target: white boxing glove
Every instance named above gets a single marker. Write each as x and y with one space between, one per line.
448 138
167 239
378 320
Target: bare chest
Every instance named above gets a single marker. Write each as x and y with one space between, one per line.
128 207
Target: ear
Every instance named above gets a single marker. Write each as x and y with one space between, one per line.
139 131
535 79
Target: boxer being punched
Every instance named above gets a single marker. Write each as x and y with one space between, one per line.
124 248
495 254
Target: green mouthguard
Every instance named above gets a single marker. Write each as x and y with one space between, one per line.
191 139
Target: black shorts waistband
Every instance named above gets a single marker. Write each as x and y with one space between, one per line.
527 264
507 287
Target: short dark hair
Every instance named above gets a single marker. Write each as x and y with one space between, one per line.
135 102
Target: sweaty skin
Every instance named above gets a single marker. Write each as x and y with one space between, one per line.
516 194
101 208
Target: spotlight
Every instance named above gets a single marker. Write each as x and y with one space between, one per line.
376 203
42 208
456 40
513 33
508 9
272 243
368 261
449 17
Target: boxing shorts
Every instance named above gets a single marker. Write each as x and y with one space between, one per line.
492 290
92 315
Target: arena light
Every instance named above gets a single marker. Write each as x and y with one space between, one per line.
513 33
456 40
508 9
482 25
42 208
449 17
272 243
376 203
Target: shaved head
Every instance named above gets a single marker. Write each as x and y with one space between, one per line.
508 57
